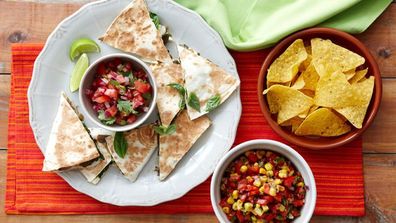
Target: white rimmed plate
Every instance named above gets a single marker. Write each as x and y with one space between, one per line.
51 75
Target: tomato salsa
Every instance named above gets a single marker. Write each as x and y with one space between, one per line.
119 92
262 186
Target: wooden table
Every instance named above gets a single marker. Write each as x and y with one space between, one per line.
32 22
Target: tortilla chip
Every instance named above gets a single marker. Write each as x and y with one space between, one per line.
308 79
142 143
286 66
304 65
328 57
293 122
168 98
356 114
69 143
349 74
174 146
206 80
323 122
334 91
134 32
287 102
359 75
299 83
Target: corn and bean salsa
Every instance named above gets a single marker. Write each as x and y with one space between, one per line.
262 186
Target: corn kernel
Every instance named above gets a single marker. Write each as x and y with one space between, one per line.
262 171
265 208
282 173
230 200
248 206
249 178
280 188
268 166
270 173
285 168
226 210
239 204
235 194
301 184
291 173
272 191
253 219
281 208
256 164
260 221
277 181
263 179
257 183
235 206
258 211
261 190
243 169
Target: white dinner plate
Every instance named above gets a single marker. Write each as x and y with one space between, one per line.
51 75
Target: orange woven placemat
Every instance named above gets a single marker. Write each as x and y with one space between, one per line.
338 172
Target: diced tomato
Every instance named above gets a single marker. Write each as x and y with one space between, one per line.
113 93
238 167
131 119
266 200
117 61
128 66
288 182
137 101
240 216
101 69
112 111
242 185
141 86
298 203
252 157
253 170
102 99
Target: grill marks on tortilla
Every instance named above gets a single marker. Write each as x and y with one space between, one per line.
174 146
69 143
141 145
168 98
134 32
205 79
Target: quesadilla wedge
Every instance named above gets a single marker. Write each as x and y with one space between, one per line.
134 32
69 143
175 145
169 99
141 144
207 84
94 170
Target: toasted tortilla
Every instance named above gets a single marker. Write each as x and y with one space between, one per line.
174 146
69 143
134 32
94 170
168 98
205 79
142 143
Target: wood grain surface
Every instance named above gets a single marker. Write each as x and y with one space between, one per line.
32 22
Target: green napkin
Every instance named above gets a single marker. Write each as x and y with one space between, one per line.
248 25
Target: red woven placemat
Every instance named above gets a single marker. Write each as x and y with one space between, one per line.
338 172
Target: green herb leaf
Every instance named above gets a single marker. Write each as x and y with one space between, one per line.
120 144
193 101
213 103
117 85
126 106
182 92
105 120
154 17
162 130
147 96
178 87
125 74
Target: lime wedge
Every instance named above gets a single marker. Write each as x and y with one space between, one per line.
83 45
78 72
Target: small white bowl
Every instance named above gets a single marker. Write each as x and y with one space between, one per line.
87 81
275 146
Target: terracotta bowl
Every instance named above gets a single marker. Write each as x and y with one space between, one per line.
340 38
